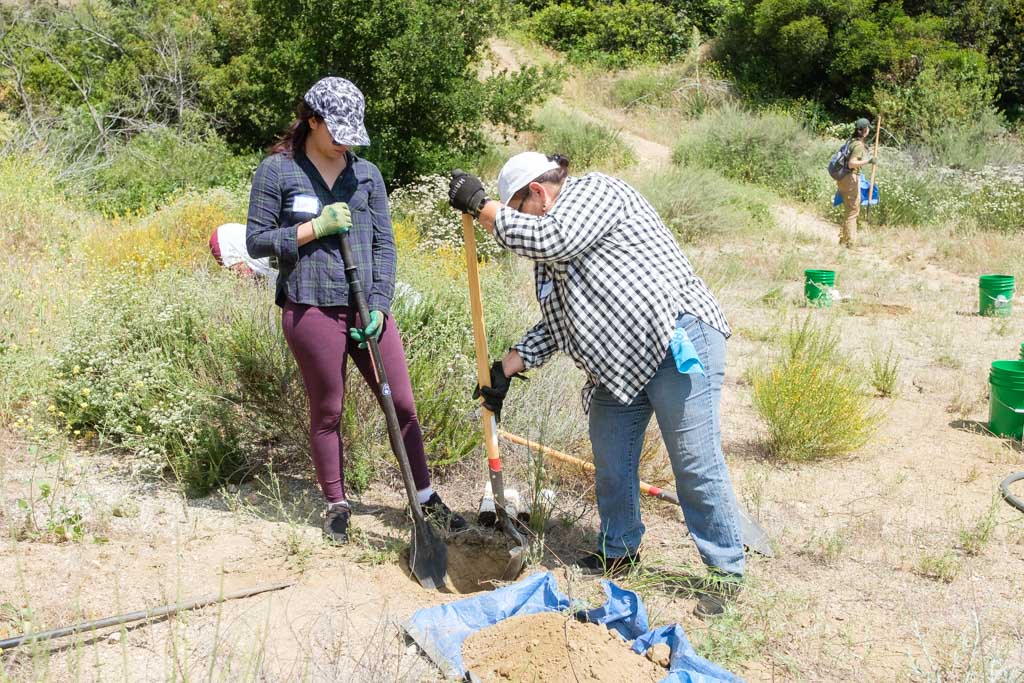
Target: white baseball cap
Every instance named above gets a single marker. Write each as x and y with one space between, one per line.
520 171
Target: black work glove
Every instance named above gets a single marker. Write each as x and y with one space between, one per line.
494 395
466 193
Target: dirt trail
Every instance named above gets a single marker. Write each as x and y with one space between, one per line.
648 152
651 154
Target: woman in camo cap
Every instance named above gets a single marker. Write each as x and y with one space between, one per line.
309 190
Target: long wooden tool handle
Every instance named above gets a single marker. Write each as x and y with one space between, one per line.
483 371
874 155
653 491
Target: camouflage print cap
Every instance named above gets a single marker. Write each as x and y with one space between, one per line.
861 124
341 105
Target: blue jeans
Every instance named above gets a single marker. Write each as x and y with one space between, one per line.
687 407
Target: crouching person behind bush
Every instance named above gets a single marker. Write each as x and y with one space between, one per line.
227 245
618 295
310 190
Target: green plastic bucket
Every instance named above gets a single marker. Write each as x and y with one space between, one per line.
818 285
995 294
1006 405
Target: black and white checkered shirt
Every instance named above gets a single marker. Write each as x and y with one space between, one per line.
611 282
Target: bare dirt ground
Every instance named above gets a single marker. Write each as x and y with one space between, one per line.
898 562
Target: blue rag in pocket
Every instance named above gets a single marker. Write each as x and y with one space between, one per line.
687 361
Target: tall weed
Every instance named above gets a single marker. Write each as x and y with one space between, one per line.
588 145
697 202
771 150
811 399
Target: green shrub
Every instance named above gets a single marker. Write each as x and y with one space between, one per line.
144 172
972 146
885 371
952 88
696 202
97 73
185 370
857 56
811 399
588 145
645 88
997 201
425 106
771 150
616 33
688 86
909 196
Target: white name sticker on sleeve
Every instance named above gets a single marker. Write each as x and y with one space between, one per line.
304 203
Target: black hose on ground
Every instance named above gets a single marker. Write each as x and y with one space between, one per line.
1004 488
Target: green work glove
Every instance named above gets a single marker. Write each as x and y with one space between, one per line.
334 219
371 331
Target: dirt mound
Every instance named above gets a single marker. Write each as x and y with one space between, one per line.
554 648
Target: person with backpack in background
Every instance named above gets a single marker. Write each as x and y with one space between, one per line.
845 170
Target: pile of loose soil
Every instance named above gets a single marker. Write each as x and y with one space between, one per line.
551 647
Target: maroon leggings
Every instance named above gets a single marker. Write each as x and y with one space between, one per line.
318 338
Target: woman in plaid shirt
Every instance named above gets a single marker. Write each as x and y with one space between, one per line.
308 191
618 295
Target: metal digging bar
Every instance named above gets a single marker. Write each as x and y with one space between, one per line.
428 555
141 615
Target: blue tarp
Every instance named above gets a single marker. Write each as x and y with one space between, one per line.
440 631
864 183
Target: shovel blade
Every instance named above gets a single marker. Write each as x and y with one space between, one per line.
428 556
517 553
753 534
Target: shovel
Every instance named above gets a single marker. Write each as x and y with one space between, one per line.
754 536
428 555
517 555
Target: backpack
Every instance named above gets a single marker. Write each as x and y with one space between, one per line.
837 166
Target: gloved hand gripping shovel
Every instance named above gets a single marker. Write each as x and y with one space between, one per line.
428 555
517 555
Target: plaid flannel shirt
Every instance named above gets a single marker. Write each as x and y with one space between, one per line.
289 191
611 282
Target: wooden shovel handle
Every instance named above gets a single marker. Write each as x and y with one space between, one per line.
483 370
874 155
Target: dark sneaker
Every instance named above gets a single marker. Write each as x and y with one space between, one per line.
336 523
436 511
598 563
715 596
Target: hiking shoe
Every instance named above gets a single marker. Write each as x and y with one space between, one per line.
598 563
436 511
336 518
715 597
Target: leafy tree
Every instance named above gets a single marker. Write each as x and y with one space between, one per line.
855 56
416 62
616 33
